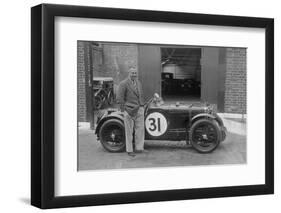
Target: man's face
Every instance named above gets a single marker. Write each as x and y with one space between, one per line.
133 74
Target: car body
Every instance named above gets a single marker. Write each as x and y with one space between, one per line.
197 124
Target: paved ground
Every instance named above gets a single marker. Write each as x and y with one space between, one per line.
91 154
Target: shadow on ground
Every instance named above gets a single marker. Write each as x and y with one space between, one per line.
25 200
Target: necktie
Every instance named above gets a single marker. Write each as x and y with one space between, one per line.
135 86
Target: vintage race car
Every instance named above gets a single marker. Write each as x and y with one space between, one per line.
197 124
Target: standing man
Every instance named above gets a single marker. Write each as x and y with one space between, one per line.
130 98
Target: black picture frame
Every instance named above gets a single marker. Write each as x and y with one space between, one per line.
43 105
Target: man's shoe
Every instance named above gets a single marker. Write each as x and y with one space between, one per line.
141 151
131 154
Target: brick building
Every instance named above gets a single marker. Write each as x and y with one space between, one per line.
235 80
220 71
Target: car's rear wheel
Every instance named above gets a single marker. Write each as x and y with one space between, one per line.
205 135
112 135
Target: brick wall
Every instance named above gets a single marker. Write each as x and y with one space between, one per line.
236 81
108 60
81 88
117 58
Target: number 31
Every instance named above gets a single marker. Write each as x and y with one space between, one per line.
153 125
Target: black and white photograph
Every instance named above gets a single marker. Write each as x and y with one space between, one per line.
160 105
140 106
132 106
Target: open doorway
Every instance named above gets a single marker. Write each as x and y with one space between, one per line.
181 74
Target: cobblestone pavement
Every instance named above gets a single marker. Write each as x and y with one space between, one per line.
92 156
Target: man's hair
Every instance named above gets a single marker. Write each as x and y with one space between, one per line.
132 68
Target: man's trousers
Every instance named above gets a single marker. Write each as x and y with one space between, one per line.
135 123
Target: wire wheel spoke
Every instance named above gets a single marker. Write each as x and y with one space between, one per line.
97 102
114 136
205 135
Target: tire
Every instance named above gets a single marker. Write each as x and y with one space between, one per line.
112 135
110 99
205 135
97 102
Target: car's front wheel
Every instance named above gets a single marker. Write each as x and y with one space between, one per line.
112 135
204 135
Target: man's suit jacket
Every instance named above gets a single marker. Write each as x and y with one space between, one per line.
130 97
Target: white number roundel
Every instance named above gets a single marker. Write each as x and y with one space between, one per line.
156 124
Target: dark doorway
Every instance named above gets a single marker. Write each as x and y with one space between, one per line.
181 74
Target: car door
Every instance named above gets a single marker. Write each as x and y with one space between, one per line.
179 119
